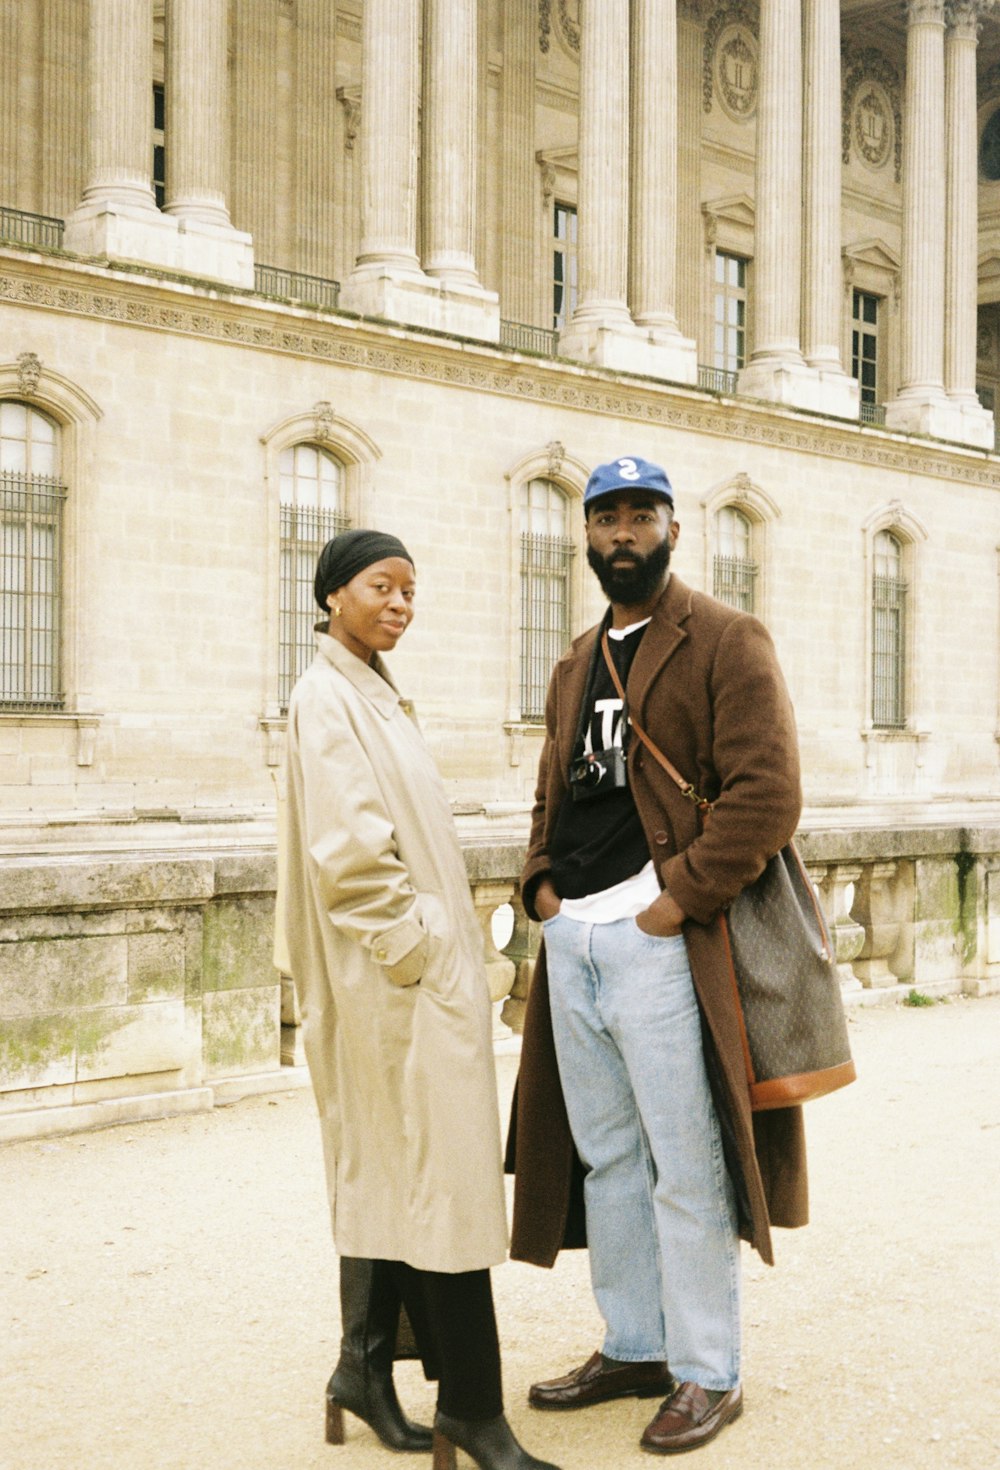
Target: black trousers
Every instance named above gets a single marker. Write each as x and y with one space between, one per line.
455 1328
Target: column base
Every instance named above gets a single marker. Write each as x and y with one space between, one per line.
418 300
631 349
147 237
961 422
797 385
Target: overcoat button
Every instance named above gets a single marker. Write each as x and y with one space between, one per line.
661 838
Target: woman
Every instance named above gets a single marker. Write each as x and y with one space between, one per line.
388 964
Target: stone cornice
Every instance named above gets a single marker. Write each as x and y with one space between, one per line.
52 283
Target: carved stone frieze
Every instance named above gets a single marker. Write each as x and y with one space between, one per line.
729 59
557 384
872 109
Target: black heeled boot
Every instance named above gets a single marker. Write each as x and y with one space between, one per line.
490 1442
362 1380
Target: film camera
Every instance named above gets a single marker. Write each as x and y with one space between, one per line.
598 773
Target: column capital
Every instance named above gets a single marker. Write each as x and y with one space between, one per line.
962 19
924 12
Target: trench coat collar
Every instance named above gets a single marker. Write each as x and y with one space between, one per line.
372 680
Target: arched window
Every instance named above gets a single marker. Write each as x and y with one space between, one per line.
312 510
546 561
31 524
889 590
734 567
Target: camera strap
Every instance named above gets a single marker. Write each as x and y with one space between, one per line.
685 787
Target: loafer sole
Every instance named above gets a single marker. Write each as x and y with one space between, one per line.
600 1398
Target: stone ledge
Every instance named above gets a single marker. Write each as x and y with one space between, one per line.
79 1117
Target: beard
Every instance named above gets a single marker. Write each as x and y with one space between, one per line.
629 586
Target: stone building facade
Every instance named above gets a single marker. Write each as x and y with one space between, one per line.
271 267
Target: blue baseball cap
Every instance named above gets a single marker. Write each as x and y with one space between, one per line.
628 473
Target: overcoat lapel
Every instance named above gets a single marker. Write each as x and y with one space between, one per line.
660 641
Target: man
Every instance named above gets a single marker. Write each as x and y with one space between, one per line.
632 1064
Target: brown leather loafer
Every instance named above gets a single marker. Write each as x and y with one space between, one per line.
688 1419
599 1380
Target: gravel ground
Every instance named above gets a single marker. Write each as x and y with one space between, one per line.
170 1294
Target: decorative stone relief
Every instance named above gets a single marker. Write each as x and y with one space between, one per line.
729 60
324 421
29 370
872 109
871 125
556 453
350 100
565 14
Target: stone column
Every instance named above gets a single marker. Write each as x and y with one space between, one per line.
961 218
777 369
602 330
64 104
690 224
518 289
387 279
120 121
921 406
197 118
254 168
13 164
653 198
450 76
117 216
822 296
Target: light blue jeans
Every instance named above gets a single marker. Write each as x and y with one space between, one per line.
661 1211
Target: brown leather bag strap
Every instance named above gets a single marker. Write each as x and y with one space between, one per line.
685 787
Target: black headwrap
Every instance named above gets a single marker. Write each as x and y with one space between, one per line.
348 554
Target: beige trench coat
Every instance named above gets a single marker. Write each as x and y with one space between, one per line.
387 958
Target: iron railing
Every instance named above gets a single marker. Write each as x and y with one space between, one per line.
525 338
270 280
888 653
717 380
31 516
31 229
305 530
872 413
545 614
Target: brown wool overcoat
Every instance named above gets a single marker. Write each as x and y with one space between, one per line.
706 687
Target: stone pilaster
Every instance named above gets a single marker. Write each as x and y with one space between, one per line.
11 162
602 330
961 221
64 105
777 369
653 255
921 406
821 189
254 166
316 157
117 216
690 225
519 170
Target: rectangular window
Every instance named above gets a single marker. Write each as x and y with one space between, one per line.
305 530
159 156
545 614
31 514
888 652
864 345
730 313
564 265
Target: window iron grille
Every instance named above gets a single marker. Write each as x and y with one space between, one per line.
525 338
31 516
873 413
31 229
269 280
305 530
733 581
888 652
545 614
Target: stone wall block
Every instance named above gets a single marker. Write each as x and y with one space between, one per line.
123 1041
41 977
37 1052
238 941
86 884
241 1031
937 923
156 967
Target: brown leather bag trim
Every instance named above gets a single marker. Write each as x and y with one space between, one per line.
788 1092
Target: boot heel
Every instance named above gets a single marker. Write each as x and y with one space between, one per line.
444 1453
334 1422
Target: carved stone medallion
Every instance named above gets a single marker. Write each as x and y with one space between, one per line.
736 72
872 125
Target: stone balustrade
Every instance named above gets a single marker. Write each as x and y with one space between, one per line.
133 985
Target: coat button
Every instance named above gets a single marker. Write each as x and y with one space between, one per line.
380 954
661 838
